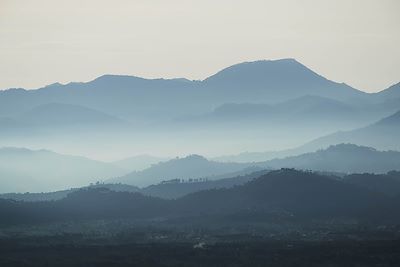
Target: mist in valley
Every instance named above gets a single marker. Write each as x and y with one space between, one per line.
258 154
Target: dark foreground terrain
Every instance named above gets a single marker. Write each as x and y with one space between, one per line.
257 253
282 218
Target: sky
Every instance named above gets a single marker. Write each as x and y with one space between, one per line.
47 41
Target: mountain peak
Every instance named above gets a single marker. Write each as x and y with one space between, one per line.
195 157
348 147
272 70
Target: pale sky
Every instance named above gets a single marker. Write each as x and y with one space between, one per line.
47 41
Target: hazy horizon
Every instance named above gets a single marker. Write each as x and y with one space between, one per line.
44 42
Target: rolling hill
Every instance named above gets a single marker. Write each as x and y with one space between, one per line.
346 158
291 194
138 162
190 167
382 134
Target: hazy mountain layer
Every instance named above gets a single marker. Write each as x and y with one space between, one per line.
138 163
347 158
24 170
190 167
261 105
383 134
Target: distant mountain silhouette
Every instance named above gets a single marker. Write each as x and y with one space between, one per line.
389 98
382 135
56 114
392 92
347 158
277 80
139 162
24 170
57 195
266 104
305 111
190 167
59 118
135 98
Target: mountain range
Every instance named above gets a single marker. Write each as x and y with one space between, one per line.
289 194
187 168
382 135
39 171
275 104
345 158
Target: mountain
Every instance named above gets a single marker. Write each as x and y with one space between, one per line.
57 195
176 189
168 190
393 92
138 163
347 158
306 111
57 114
388 184
135 98
304 106
290 194
389 98
85 204
277 80
257 156
190 167
291 103
58 119
24 170
296 193
382 134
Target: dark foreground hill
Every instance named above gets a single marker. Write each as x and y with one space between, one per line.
287 192
388 184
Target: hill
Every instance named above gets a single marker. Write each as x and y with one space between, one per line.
302 194
57 195
304 112
168 189
139 162
176 189
291 194
347 158
190 167
388 184
382 134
